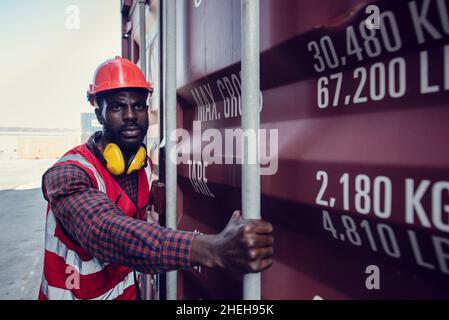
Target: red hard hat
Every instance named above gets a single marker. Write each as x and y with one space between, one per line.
115 74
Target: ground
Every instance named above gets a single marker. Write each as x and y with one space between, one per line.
22 221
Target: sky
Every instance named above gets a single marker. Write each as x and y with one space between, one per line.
47 58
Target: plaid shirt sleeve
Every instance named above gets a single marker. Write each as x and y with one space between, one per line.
105 232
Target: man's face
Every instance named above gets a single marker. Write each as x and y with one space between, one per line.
124 116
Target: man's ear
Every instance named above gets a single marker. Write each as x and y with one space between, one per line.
99 115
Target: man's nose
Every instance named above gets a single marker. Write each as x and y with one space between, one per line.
129 113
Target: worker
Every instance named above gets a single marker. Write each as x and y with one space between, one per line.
98 238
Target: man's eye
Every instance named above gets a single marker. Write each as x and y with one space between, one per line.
140 107
117 107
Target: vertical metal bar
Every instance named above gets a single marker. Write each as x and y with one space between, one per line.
155 278
142 36
162 283
143 67
171 174
162 94
251 123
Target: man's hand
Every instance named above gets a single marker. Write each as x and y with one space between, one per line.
243 245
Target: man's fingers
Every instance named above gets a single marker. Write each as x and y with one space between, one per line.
236 215
261 253
265 264
259 241
260 265
258 226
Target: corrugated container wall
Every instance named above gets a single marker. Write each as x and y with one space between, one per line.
356 116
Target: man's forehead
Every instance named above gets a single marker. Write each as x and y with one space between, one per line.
126 94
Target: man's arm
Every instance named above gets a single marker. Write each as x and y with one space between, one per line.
105 232
244 245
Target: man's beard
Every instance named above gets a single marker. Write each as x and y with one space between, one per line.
115 136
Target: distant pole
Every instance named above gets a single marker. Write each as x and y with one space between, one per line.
142 36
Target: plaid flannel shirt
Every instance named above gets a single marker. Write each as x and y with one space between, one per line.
105 232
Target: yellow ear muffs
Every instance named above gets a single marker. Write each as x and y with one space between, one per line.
137 161
114 159
115 162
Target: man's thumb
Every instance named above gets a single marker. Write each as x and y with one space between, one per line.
236 215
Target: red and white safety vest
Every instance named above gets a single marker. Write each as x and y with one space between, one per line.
65 259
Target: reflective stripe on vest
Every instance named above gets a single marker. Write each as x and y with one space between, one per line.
148 173
71 258
81 160
53 293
